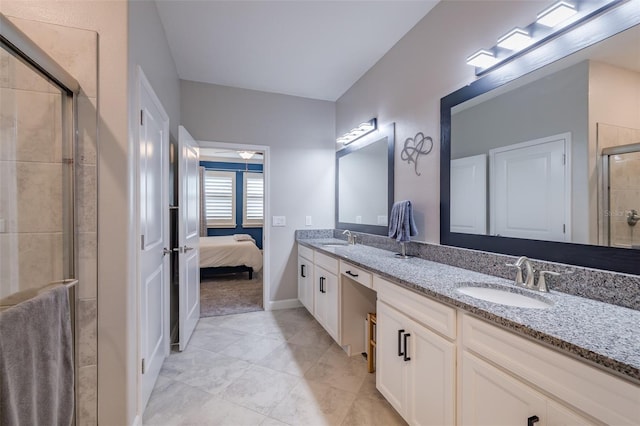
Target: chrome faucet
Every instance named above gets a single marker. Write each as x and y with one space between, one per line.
351 238
529 281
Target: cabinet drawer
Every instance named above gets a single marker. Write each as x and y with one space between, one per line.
595 392
330 264
436 316
359 275
305 252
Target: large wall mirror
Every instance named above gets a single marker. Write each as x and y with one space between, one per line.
548 164
364 182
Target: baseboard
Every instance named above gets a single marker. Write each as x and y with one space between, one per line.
284 304
137 421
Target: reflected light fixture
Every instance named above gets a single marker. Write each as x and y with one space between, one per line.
482 59
358 132
556 13
246 155
515 39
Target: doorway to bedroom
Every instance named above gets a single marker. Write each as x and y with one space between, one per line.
232 240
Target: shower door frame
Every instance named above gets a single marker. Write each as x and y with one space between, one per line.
606 155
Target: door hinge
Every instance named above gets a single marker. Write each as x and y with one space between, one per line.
564 159
141 242
141 117
142 365
564 228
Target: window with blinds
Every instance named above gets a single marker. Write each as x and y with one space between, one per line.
220 191
253 202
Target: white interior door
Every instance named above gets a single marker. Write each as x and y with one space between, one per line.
469 195
154 237
188 236
530 189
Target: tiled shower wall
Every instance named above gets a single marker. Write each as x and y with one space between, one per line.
76 51
624 182
31 220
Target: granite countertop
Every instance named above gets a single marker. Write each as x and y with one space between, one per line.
603 334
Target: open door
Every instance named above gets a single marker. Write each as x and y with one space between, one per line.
153 290
188 237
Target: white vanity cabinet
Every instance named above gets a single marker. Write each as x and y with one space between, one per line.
327 294
415 367
305 277
508 379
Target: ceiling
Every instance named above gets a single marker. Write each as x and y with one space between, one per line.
311 48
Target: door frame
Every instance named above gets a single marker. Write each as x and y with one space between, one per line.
141 81
266 230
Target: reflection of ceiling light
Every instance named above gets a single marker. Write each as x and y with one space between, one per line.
246 155
515 39
482 59
358 132
556 13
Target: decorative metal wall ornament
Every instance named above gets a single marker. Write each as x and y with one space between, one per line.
414 148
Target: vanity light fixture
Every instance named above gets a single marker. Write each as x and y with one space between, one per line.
358 132
482 59
556 19
246 155
556 13
515 39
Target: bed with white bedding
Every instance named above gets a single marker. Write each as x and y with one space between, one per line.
230 253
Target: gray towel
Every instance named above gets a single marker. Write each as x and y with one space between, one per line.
36 361
402 225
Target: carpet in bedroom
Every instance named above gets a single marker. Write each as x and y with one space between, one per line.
230 294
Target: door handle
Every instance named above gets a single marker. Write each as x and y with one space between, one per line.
532 420
186 249
178 249
400 353
406 347
351 274
322 280
166 251
302 271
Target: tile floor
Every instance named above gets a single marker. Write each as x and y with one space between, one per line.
266 368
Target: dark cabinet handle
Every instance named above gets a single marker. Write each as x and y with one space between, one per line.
302 271
351 274
322 280
533 419
406 347
400 353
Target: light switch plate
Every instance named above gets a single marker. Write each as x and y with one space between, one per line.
279 221
307 221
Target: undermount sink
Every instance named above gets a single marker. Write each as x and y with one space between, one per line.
505 297
335 244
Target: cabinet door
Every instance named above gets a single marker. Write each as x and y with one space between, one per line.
491 397
559 415
390 367
332 309
431 378
305 283
319 299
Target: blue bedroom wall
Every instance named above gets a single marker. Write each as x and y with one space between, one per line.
239 168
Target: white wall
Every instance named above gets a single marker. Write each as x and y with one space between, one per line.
148 47
406 85
300 134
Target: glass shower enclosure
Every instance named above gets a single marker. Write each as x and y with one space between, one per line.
36 168
621 189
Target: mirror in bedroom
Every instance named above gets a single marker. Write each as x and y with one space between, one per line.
364 182
550 157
